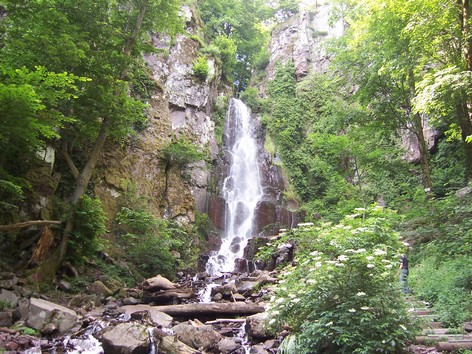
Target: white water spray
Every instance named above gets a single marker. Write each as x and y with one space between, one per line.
242 188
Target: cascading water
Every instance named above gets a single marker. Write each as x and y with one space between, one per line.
242 189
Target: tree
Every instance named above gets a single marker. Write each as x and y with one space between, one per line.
101 40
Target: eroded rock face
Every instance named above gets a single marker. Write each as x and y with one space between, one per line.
180 106
300 39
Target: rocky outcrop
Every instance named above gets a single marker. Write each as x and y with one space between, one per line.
179 106
300 39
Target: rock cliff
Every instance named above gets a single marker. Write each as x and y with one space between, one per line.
179 107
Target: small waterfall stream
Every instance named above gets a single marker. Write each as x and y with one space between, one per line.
242 188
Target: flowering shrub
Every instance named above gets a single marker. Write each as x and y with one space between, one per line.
343 294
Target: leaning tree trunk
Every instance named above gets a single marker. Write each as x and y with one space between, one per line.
84 177
464 108
417 124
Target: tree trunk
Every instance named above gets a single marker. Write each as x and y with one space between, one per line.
28 223
81 185
424 153
464 108
210 309
417 124
462 114
83 179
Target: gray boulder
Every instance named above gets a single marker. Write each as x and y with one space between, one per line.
227 346
9 298
99 289
42 313
201 337
255 328
126 338
158 318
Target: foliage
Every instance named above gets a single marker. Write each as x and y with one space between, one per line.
218 116
442 265
182 152
200 68
4 304
251 97
342 296
150 243
89 227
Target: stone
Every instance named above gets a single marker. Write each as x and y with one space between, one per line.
255 328
9 298
42 312
464 192
158 318
158 283
239 297
126 338
227 346
218 297
87 302
64 285
258 349
468 327
130 301
99 289
201 337
6 318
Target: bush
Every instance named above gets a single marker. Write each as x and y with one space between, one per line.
89 226
343 295
182 152
200 68
151 244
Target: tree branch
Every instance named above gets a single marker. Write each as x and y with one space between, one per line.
68 159
28 223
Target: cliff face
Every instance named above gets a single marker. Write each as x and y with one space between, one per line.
179 108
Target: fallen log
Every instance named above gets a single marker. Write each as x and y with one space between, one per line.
28 223
450 346
226 320
168 296
211 309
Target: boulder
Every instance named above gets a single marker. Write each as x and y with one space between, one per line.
99 289
201 337
258 349
86 302
6 318
158 283
126 338
227 346
255 327
41 313
9 298
158 318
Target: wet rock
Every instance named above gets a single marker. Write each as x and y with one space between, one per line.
158 283
255 328
86 302
201 337
227 346
218 297
258 349
126 338
158 318
42 313
6 318
226 290
9 298
99 289
130 301
247 287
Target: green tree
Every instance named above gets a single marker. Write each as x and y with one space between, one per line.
100 40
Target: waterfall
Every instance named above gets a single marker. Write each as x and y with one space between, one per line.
242 188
